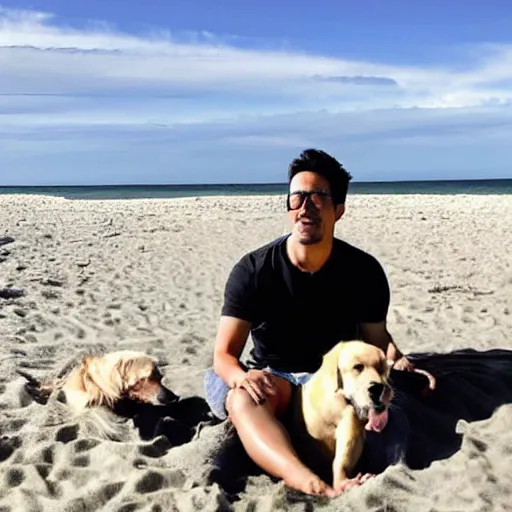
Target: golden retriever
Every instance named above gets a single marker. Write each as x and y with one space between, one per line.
99 382
349 393
106 379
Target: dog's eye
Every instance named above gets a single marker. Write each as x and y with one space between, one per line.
137 385
359 367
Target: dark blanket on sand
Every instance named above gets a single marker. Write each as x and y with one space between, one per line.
471 384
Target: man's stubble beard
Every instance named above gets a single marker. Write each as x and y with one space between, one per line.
310 239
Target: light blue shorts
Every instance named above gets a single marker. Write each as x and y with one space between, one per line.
216 390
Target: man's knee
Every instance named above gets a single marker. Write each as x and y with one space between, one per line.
238 400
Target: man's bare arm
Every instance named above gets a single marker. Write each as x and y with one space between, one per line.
377 334
232 334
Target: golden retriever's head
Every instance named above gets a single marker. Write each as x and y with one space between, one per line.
363 374
126 374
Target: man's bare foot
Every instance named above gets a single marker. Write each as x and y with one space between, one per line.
304 480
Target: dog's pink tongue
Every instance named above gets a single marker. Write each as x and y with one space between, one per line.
377 421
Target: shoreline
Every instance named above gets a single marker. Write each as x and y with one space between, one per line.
496 186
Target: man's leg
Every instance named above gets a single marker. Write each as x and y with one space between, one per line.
266 440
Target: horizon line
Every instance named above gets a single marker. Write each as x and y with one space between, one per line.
256 184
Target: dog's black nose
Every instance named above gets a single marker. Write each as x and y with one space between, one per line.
166 396
376 389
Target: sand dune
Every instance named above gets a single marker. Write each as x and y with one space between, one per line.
149 274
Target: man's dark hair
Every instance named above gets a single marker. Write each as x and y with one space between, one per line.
320 162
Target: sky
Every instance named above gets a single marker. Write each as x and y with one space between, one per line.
195 91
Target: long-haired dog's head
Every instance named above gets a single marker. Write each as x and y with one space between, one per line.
359 372
121 375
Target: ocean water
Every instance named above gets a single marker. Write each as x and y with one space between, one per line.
480 187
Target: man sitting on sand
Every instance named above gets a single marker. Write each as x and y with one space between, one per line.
298 296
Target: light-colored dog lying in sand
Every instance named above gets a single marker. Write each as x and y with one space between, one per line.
349 393
107 379
99 383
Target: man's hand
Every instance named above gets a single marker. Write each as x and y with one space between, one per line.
404 364
259 384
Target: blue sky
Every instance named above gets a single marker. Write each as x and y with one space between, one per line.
184 92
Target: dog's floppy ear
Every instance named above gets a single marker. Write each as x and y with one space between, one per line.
331 371
121 372
121 368
97 383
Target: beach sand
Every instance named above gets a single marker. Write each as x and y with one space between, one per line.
149 274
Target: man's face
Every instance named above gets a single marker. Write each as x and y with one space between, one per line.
313 215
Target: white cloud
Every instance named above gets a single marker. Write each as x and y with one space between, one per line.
38 56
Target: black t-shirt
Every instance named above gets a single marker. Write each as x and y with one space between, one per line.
296 317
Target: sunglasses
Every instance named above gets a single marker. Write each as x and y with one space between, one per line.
319 198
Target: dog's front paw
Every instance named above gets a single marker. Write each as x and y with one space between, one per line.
348 483
367 476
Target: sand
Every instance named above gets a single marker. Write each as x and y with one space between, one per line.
149 274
